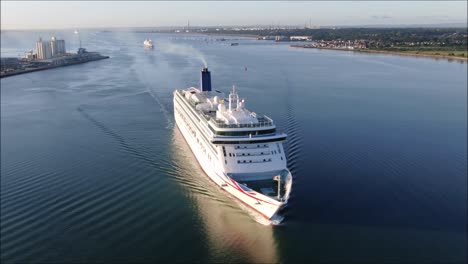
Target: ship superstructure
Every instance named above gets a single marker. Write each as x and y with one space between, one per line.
241 151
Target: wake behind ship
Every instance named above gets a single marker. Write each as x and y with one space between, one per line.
239 150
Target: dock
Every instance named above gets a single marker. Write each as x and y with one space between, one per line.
16 66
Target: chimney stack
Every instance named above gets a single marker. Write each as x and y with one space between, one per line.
205 80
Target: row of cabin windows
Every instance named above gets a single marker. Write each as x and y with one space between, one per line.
258 146
245 133
189 107
278 146
248 154
250 161
204 149
201 145
187 124
224 152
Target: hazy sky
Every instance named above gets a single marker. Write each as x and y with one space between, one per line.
69 14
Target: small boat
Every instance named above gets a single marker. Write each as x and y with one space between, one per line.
148 43
235 44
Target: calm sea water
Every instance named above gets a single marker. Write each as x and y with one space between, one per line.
93 168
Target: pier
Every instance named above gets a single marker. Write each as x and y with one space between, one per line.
16 66
49 54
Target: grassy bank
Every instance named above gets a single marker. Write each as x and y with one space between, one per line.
419 54
445 54
448 52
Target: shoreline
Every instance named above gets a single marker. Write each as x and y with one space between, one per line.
235 35
48 67
434 56
389 52
225 34
464 59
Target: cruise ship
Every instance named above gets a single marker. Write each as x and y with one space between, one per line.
239 150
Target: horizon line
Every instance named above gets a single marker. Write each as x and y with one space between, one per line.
299 26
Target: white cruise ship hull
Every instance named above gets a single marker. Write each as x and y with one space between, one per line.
263 205
239 150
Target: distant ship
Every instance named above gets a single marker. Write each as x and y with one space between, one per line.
239 150
235 44
148 43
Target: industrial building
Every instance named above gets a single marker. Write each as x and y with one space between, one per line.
48 50
43 50
57 47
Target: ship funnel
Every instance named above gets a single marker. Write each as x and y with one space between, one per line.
205 80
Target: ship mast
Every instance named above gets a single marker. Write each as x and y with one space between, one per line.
233 96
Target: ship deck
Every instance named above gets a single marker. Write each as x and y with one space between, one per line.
210 115
262 182
266 187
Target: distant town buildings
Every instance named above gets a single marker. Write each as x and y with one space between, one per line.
50 49
30 55
337 44
57 46
286 38
267 38
300 38
43 50
281 38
